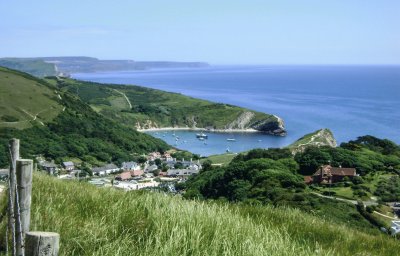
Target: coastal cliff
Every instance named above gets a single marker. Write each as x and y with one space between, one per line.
144 108
322 137
246 122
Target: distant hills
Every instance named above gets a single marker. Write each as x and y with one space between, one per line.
50 66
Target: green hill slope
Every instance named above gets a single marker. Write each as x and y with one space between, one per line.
93 221
36 67
145 108
24 98
322 137
58 125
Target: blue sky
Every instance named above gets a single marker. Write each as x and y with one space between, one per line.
217 31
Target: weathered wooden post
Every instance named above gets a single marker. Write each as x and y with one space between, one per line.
14 151
42 243
23 201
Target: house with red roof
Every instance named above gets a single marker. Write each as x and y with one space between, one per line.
327 174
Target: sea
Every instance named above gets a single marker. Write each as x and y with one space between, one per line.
350 100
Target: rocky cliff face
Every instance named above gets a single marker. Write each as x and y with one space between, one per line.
273 125
242 122
323 137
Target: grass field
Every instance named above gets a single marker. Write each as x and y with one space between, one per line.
222 159
95 221
30 101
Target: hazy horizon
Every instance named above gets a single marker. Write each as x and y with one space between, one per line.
255 32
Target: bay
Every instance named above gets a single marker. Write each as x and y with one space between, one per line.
350 100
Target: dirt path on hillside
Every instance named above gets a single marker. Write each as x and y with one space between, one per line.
127 100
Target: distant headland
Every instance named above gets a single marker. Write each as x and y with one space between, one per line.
64 66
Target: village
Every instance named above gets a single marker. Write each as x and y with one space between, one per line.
155 170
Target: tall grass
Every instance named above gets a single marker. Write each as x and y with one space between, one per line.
95 221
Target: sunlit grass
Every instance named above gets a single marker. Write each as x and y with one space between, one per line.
95 221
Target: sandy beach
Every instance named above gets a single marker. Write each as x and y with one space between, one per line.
196 129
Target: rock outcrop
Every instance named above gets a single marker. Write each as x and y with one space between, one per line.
273 125
242 122
322 137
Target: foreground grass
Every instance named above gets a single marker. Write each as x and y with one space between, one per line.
95 221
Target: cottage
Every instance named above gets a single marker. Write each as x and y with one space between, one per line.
151 168
68 166
181 172
327 174
105 170
130 166
153 156
167 157
50 168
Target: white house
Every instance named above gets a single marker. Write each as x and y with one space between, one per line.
130 166
105 170
181 172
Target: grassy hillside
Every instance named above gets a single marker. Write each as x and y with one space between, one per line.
322 137
142 107
24 99
70 127
31 66
95 221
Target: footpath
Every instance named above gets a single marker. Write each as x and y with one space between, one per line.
366 203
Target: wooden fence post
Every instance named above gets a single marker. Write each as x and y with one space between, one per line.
42 243
14 151
23 204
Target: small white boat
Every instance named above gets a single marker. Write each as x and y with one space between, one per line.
259 140
201 135
231 139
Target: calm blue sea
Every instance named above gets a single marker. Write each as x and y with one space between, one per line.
350 100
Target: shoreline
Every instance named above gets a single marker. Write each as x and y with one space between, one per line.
250 130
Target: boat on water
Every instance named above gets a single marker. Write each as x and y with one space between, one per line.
201 138
201 135
231 139
228 150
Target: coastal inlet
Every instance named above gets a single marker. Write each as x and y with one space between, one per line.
218 142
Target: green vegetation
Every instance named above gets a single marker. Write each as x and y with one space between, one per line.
31 66
268 177
24 98
389 189
222 159
154 108
322 137
71 129
274 177
113 222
